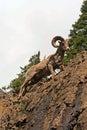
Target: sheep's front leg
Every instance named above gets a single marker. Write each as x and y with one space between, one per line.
50 67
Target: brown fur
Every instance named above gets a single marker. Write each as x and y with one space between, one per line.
48 65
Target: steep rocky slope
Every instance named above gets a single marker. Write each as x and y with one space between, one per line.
58 105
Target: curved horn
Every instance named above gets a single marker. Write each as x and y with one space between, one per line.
56 38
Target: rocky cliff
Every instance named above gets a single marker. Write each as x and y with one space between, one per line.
53 105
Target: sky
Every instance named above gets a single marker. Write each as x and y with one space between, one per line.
28 26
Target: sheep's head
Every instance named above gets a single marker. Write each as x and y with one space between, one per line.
60 41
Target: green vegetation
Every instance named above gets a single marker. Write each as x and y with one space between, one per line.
78 43
16 83
78 34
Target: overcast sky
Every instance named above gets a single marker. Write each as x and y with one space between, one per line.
27 26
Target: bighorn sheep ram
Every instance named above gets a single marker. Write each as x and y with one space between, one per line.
48 65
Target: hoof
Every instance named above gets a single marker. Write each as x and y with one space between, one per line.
19 97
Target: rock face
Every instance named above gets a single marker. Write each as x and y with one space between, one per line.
53 105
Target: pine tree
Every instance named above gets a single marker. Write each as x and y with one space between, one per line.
78 33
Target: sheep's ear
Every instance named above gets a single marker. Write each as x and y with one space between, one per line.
58 42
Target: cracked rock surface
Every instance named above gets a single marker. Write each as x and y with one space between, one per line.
53 105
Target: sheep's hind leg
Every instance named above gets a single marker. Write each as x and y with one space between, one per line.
23 87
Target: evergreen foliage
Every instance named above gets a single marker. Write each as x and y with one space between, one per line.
78 34
78 43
